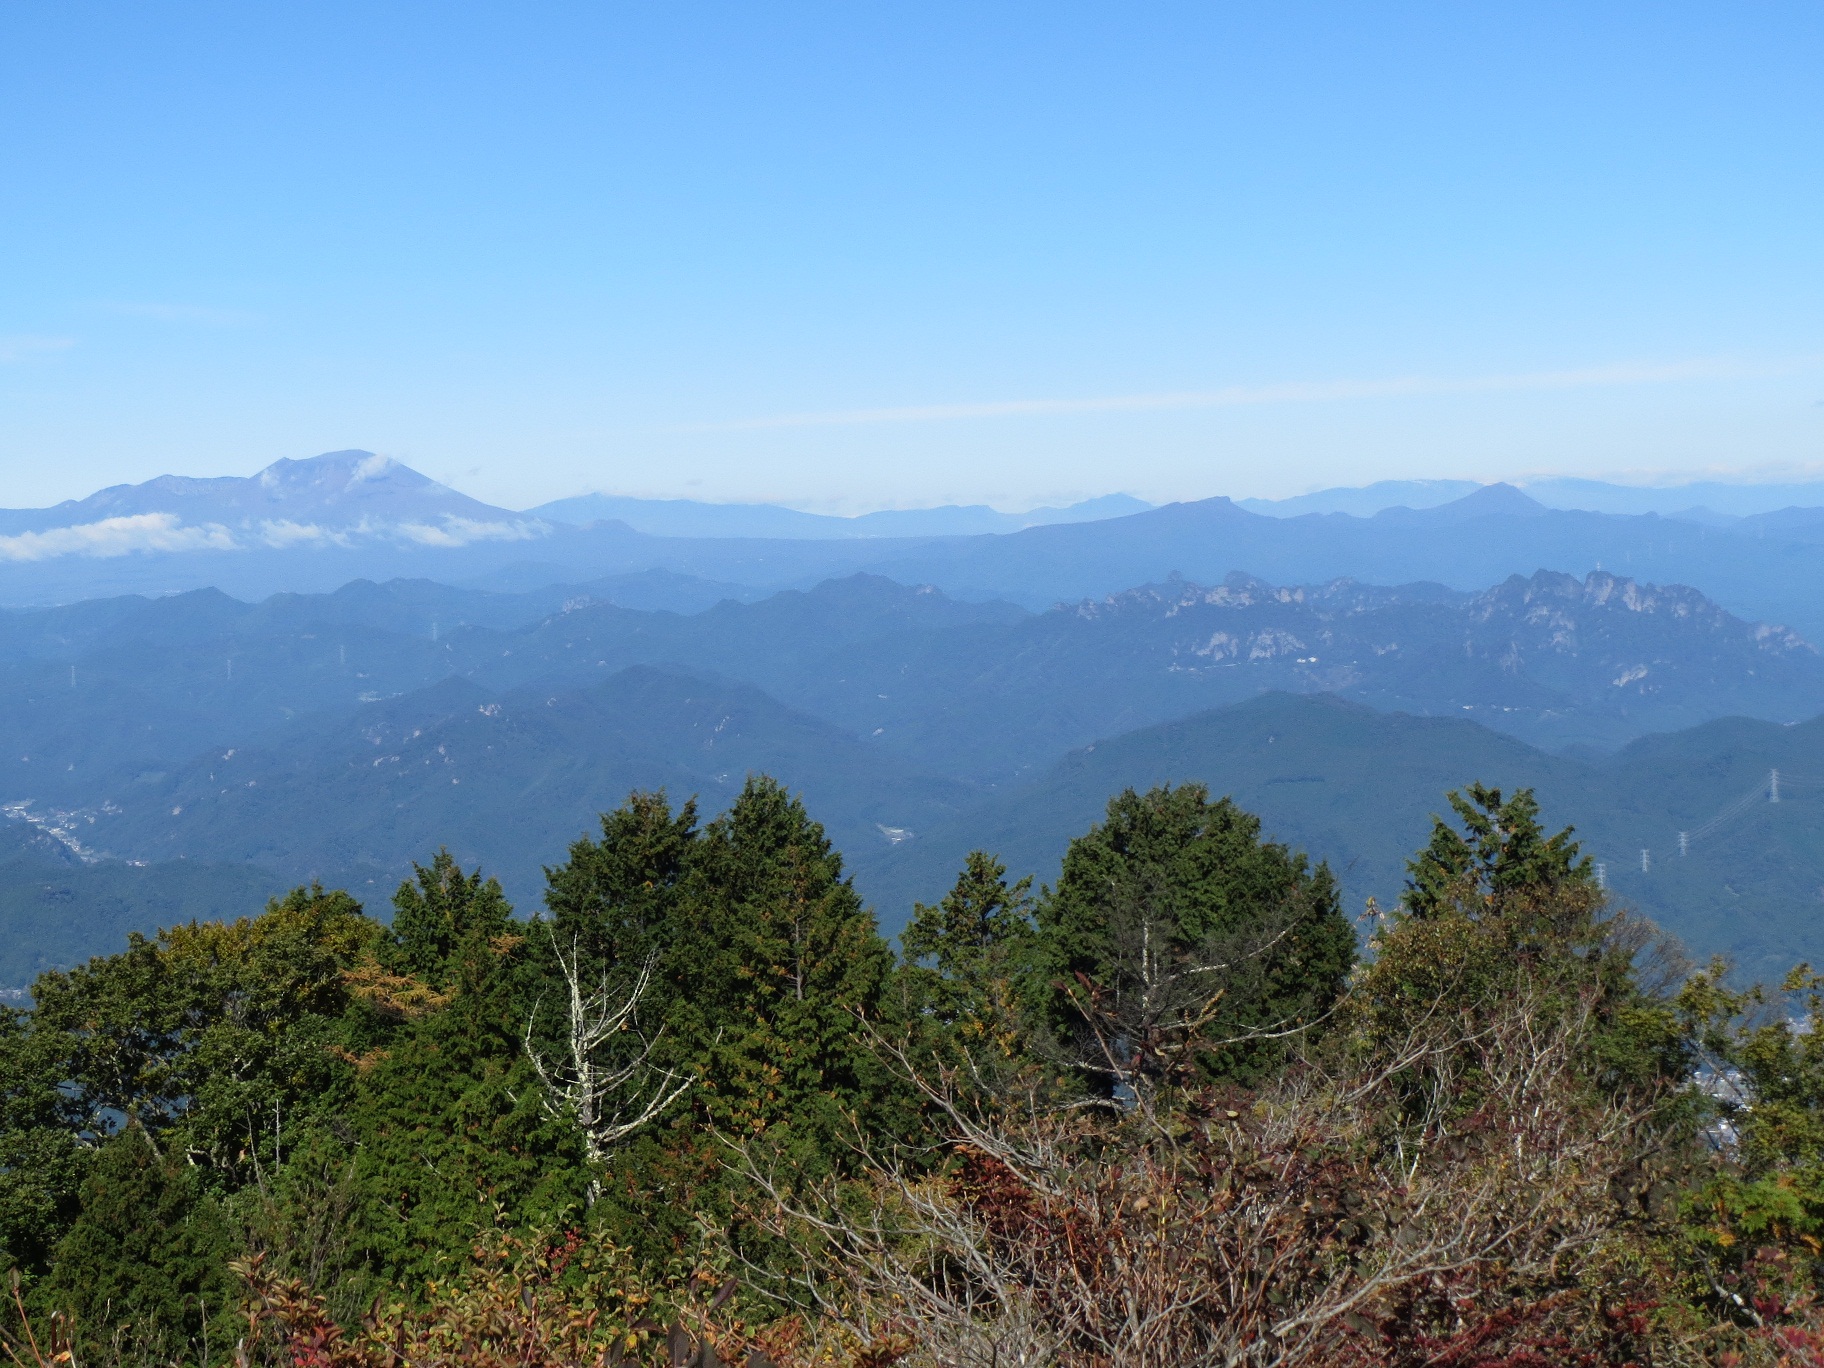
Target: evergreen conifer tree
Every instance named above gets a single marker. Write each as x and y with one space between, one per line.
1179 945
971 959
434 917
781 961
1504 851
614 902
148 1256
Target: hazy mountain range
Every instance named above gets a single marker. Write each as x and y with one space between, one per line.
1710 501
690 518
341 736
171 754
314 525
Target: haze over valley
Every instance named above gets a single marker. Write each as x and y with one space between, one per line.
514 674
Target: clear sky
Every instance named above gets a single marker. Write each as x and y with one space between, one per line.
863 255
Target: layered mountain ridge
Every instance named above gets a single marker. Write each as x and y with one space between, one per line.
318 524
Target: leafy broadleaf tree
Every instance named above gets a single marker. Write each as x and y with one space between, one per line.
42 1161
1180 946
215 1036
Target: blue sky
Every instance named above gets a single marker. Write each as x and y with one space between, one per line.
853 256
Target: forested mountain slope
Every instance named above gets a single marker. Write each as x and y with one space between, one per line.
983 692
504 780
1358 788
340 736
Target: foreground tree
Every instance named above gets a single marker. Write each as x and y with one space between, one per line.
1492 1154
1501 852
615 900
442 915
1323 1221
608 1092
972 959
1181 947
146 1263
778 965
42 1157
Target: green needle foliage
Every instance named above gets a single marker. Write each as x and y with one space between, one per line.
972 960
1181 947
147 1258
1501 850
442 919
330 1116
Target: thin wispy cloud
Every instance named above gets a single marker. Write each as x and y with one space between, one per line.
1291 392
25 346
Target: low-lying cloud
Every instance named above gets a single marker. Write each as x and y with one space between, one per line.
156 532
283 533
462 531
117 537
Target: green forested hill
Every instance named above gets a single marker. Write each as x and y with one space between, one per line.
981 692
506 780
342 736
55 910
1357 788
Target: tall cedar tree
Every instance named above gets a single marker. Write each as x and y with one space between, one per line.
614 901
434 917
617 904
1503 850
446 1120
1501 908
1182 943
148 1259
778 963
971 960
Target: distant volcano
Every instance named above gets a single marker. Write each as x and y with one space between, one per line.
339 498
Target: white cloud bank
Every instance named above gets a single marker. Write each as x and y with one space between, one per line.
154 532
462 531
280 533
117 537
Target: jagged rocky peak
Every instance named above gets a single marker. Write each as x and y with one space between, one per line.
1240 590
1551 600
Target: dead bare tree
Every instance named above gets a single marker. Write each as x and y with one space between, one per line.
1319 1222
609 1096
